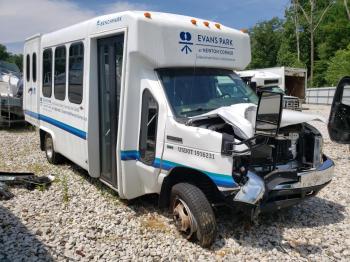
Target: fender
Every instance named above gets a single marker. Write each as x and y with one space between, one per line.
46 130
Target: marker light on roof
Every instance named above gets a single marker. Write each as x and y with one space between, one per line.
194 21
206 23
147 15
218 26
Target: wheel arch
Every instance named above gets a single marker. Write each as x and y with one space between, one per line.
42 132
192 176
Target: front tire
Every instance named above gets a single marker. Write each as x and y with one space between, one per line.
193 214
52 156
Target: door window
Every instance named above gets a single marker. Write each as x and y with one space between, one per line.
110 57
34 67
28 68
76 66
148 132
60 73
47 73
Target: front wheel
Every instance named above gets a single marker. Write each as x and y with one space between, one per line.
193 214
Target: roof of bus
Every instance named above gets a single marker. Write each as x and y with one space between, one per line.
156 17
180 40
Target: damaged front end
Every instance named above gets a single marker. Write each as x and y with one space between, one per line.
272 172
282 172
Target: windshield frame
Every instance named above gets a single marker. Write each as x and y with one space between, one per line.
184 119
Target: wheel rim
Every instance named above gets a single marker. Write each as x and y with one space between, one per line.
49 148
184 219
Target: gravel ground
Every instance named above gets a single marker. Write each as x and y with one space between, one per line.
78 218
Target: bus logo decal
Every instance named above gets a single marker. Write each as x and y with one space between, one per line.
185 38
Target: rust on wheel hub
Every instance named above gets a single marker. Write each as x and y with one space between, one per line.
184 219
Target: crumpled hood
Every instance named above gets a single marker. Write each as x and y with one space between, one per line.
242 118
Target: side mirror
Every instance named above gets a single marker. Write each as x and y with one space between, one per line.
339 118
269 112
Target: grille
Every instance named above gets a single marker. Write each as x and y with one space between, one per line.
292 104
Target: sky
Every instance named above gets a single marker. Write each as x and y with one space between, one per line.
20 19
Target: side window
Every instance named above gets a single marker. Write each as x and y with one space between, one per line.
60 73
47 73
148 132
28 68
76 72
34 67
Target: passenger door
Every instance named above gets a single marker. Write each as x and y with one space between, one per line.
110 60
31 79
339 119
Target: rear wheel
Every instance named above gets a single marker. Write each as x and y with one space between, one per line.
193 214
52 156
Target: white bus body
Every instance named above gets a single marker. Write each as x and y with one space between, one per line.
113 95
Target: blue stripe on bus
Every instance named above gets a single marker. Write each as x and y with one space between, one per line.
130 155
61 125
219 179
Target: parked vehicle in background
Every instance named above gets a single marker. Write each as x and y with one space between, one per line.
266 81
170 118
11 89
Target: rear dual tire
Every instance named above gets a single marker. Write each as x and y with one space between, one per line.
51 155
193 214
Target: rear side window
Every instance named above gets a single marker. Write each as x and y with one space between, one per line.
34 67
28 68
47 73
148 132
76 67
60 73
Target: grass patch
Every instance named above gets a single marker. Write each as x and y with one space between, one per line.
36 168
154 223
41 188
64 184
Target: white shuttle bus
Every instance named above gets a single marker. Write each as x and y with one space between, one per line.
149 103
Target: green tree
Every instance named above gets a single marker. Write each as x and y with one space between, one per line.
286 57
11 58
331 34
266 39
339 66
4 55
16 59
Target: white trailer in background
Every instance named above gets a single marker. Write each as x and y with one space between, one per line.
293 82
260 80
149 103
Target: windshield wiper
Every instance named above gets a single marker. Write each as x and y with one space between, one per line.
199 109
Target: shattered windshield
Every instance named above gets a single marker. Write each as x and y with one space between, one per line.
197 91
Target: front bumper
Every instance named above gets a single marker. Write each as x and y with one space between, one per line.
281 189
